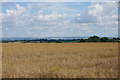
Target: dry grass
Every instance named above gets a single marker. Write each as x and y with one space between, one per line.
62 60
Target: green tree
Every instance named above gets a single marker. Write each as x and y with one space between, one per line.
114 40
83 40
105 39
94 39
60 41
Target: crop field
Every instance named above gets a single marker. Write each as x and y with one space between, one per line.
60 60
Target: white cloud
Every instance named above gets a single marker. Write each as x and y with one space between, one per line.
48 20
83 24
15 17
98 12
78 14
95 10
18 12
58 24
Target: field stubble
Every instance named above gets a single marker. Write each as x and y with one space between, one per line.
60 60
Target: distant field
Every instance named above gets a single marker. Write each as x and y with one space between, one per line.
60 60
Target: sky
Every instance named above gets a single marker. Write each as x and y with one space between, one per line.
59 19
60 0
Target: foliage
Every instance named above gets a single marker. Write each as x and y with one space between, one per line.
98 39
105 39
60 42
94 39
90 39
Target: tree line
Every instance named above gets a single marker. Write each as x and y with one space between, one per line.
90 39
98 39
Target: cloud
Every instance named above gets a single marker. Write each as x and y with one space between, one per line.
95 10
39 5
101 19
98 12
60 1
59 20
48 17
15 17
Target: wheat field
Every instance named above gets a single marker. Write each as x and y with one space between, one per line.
59 60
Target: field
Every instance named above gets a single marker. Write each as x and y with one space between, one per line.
60 60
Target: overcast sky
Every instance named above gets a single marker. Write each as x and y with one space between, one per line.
62 19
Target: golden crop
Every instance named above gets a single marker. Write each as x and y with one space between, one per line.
60 60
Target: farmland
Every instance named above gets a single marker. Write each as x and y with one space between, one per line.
60 60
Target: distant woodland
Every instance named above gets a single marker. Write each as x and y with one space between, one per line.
90 39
